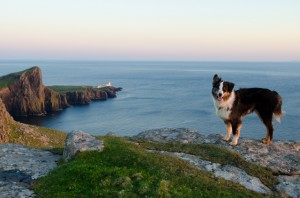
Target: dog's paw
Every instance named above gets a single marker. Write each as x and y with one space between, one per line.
226 139
233 143
266 141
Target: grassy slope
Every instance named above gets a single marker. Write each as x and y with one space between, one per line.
11 78
126 170
34 136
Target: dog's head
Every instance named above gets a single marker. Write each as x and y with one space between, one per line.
221 90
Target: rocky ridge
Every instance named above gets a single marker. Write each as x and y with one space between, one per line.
282 157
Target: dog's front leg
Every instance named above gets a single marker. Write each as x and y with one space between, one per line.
229 131
236 127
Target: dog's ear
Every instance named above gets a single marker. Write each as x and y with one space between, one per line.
216 78
230 86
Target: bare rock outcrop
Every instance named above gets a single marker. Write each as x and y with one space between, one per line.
20 166
79 141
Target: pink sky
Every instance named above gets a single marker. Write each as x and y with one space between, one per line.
147 30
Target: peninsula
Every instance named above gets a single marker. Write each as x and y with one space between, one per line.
24 94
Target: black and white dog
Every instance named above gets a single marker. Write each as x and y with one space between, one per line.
232 105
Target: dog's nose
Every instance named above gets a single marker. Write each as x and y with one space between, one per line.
220 94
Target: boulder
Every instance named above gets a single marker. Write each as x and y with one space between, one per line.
79 141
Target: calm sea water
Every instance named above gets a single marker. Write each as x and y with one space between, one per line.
165 94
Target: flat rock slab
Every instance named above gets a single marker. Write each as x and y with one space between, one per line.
281 156
181 135
20 166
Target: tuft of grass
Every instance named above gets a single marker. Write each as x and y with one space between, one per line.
217 154
124 169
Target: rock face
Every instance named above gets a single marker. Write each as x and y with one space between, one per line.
79 141
54 101
5 121
282 157
26 94
90 94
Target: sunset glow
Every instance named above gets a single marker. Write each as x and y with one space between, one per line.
150 30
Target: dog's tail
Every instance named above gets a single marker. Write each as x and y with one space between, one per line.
278 111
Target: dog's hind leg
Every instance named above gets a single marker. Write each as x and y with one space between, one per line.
236 128
269 136
266 118
229 131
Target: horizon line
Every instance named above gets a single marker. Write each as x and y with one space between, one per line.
137 60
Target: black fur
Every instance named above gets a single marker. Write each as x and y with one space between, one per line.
262 101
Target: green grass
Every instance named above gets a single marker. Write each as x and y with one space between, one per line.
69 88
216 154
126 170
35 136
66 88
11 78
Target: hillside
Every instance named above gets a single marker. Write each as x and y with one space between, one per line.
18 133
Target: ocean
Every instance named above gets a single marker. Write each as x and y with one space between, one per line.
165 94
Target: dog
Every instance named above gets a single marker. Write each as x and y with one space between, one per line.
232 105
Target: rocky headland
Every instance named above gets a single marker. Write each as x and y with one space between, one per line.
24 94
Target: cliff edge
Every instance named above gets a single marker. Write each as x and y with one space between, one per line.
24 93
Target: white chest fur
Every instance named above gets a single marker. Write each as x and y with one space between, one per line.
223 113
223 108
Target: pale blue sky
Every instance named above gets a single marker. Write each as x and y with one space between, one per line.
150 29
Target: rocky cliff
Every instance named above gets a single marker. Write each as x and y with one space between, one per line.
5 122
24 94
